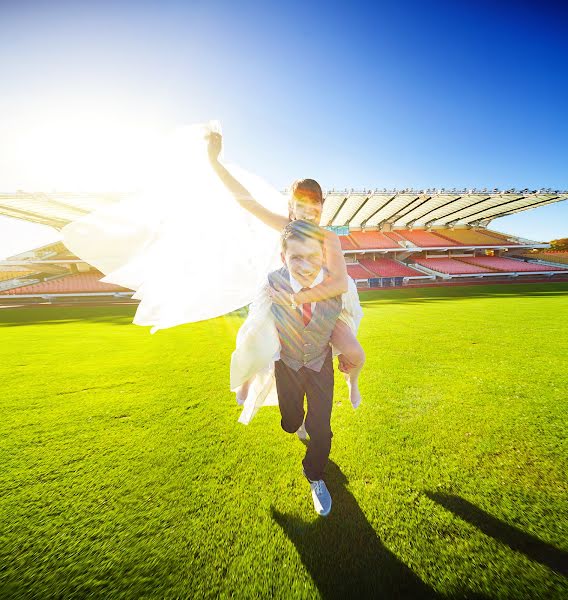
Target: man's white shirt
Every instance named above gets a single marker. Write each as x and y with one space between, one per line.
297 287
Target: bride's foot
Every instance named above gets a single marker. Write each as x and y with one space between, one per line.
354 393
242 393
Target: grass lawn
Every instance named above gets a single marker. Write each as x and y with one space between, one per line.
124 472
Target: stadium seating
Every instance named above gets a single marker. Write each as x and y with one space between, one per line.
555 256
473 237
5 275
347 243
451 266
495 234
426 239
387 267
393 235
373 240
70 284
507 265
356 271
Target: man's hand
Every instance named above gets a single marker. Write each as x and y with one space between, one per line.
279 296
214 146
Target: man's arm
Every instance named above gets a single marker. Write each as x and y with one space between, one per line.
240 193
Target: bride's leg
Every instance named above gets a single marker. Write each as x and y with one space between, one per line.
345 341
243 391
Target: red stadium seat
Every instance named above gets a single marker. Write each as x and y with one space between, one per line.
451 266
347 243
507 265
356 271
387 267
373 240
426 239
474 237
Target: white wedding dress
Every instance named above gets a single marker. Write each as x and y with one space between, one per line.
183 244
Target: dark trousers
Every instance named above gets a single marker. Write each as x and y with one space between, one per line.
292 386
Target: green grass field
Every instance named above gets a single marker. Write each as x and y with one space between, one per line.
124 472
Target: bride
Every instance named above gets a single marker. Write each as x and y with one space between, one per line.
252 363
186 227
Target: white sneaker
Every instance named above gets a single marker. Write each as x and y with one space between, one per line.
302 433
321 497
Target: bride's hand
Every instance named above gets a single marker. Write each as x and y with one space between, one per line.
214 146
278 296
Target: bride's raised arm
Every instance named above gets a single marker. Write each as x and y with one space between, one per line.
240 193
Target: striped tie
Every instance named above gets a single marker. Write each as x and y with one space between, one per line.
306 310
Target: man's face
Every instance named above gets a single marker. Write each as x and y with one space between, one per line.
304 260
306 208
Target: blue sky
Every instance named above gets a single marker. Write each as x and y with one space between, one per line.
384 94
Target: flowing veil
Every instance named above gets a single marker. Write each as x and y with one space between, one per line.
184 244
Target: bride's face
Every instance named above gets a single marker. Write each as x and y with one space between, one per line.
306 208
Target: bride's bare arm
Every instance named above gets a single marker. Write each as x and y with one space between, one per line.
336 282
240 193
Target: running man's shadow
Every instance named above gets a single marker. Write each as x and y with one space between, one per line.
343 554
532 547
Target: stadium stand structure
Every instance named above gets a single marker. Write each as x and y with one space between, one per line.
80 283
427 239
553 257
451 266
389 237
374 240
508 265
7 275
358 272
388 267
474 238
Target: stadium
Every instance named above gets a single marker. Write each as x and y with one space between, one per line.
389 239
126 474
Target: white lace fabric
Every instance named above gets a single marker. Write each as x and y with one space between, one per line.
183 244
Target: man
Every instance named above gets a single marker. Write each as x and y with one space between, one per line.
305 367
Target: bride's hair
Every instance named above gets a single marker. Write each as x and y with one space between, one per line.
305 187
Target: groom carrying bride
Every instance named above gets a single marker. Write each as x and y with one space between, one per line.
305 367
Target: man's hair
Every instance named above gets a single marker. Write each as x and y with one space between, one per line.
301 230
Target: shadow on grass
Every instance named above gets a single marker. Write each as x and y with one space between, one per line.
518 540
343 554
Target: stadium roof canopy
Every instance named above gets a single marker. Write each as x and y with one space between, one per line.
428 208
356 209
54 209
